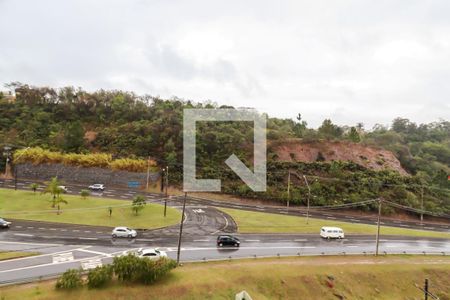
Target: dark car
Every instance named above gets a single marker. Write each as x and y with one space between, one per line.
4 224
227 240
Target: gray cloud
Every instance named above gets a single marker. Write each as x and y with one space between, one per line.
353 61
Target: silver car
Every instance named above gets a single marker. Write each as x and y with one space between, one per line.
123 232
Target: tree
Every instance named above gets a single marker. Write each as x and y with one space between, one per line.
34 187
53 187
138 204
300 126
74 137
329 130
84 194
353 135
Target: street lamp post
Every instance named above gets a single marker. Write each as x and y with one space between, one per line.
167 192
181 229
378 226
309 196
15 169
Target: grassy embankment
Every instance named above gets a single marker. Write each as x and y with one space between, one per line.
284 278
90 211
5 255
258 222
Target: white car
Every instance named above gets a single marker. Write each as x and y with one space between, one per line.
151 253
63 188
123 232
97 187
332 232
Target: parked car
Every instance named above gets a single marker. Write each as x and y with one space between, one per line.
151 253
4 224
123 232
97 187
63 188
332 232
227 240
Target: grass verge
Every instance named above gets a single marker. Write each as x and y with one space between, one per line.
284 278
5 255
258 222
90 211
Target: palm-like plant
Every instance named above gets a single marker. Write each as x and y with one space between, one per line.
34 187
53 188
57 201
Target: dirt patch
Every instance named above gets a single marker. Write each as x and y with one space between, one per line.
369 157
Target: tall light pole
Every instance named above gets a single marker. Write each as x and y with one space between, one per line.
15 170
7 153
181 228
148 172
167 187
421 206
309 196
288 189
378 226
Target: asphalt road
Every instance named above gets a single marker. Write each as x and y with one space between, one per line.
127 194
81 245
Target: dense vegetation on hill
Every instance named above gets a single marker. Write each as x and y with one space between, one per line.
126 125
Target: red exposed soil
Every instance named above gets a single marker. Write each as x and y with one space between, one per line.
372 158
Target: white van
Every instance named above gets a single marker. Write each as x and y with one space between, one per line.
332 232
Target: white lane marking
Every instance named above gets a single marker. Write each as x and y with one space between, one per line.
44 265
52 228
87 238
300 240
124 197
94 252
98 232
63 229
252 240
75 230
37 256
23 243
351 246
30 227
23 234
331 218
87 231
18 226
201 240
391 246
41 228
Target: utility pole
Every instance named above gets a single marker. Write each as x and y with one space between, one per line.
167 187
289 189
148 172
421 206
181 229
425 289
309 196
378 226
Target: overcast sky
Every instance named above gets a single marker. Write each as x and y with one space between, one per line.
351 61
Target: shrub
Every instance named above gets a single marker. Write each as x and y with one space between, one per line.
142 270
100 276
150 270
70 279
84 194
126 267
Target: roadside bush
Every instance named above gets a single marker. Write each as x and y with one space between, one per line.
100 276
70 279
142 270
150 271
126 267
84 194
